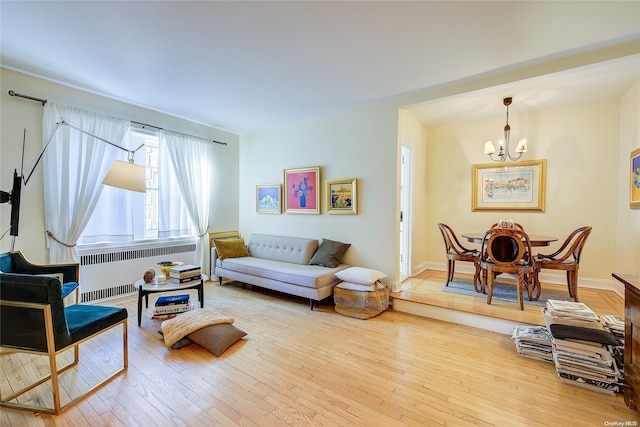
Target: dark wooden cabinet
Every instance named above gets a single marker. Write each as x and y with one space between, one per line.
631 339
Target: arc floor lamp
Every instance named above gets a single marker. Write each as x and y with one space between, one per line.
125 175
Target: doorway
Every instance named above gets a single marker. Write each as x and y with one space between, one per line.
406 184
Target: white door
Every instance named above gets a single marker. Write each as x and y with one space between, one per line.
406 176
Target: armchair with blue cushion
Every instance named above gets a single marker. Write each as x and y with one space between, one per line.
34 320
16 262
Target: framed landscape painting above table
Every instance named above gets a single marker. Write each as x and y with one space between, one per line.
511 186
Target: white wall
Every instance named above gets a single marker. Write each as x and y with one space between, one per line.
581 146
628 220
360 144
17 114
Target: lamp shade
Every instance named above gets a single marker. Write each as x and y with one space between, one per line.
128 176
489 148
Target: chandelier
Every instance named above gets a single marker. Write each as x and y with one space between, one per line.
503 145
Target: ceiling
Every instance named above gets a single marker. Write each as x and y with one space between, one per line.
245 66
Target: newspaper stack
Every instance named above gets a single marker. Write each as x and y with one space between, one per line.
615 325
533 342
570 313
583 358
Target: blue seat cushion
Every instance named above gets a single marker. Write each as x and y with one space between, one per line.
85 320
67 288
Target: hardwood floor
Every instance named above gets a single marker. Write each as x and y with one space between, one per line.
299 367
426 289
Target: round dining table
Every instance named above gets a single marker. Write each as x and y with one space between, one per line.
536 239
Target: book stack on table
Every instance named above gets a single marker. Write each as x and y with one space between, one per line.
184 274
582 348
171 305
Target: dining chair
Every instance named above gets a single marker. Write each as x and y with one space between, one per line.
456 252
34 320
507 250
566 258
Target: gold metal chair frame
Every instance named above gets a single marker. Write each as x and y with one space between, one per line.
52 353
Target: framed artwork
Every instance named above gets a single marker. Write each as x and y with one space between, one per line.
342 197
302 193
634 192
269 198
511 186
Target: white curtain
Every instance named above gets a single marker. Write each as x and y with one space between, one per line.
192 158
74 167
173 215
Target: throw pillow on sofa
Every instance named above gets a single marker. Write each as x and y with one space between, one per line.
231 248
330 253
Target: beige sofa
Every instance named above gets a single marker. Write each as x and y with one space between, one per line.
282 264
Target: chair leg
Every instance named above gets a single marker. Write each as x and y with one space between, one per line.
490 278
450 268
477 284
569 284
574 285
520 285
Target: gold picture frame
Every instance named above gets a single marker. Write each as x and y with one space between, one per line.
302 190
342 196
634 180
511 186
269 198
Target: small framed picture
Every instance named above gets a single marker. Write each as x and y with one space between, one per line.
634 195
302 193
269 198
342 196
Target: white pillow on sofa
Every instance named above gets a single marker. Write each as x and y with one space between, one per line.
361 275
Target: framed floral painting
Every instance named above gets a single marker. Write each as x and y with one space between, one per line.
302 192
634 195
269 198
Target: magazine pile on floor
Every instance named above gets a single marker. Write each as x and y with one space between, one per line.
586 350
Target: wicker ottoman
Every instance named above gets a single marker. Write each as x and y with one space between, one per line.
361 301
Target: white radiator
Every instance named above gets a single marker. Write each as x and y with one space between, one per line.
111 273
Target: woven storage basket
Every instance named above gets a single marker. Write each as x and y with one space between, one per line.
361 304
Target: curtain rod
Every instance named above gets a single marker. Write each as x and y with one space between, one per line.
159 128
44 101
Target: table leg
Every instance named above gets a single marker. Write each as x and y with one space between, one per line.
139 306
201 294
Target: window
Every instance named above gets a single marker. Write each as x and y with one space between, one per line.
124 216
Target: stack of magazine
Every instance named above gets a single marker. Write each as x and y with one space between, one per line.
581 347
533 342
570 313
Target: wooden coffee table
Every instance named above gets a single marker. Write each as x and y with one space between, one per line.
144 289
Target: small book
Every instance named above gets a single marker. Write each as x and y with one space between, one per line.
185 279
185 274
184 268
169 309
172 299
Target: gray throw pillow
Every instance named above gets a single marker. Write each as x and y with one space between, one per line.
330 253
217 338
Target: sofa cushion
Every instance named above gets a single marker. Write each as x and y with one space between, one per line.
231 248
311 276
330 253
279 248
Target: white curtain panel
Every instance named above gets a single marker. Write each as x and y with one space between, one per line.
192 158
74 166
173 215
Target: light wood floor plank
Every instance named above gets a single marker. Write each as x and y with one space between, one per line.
298 367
